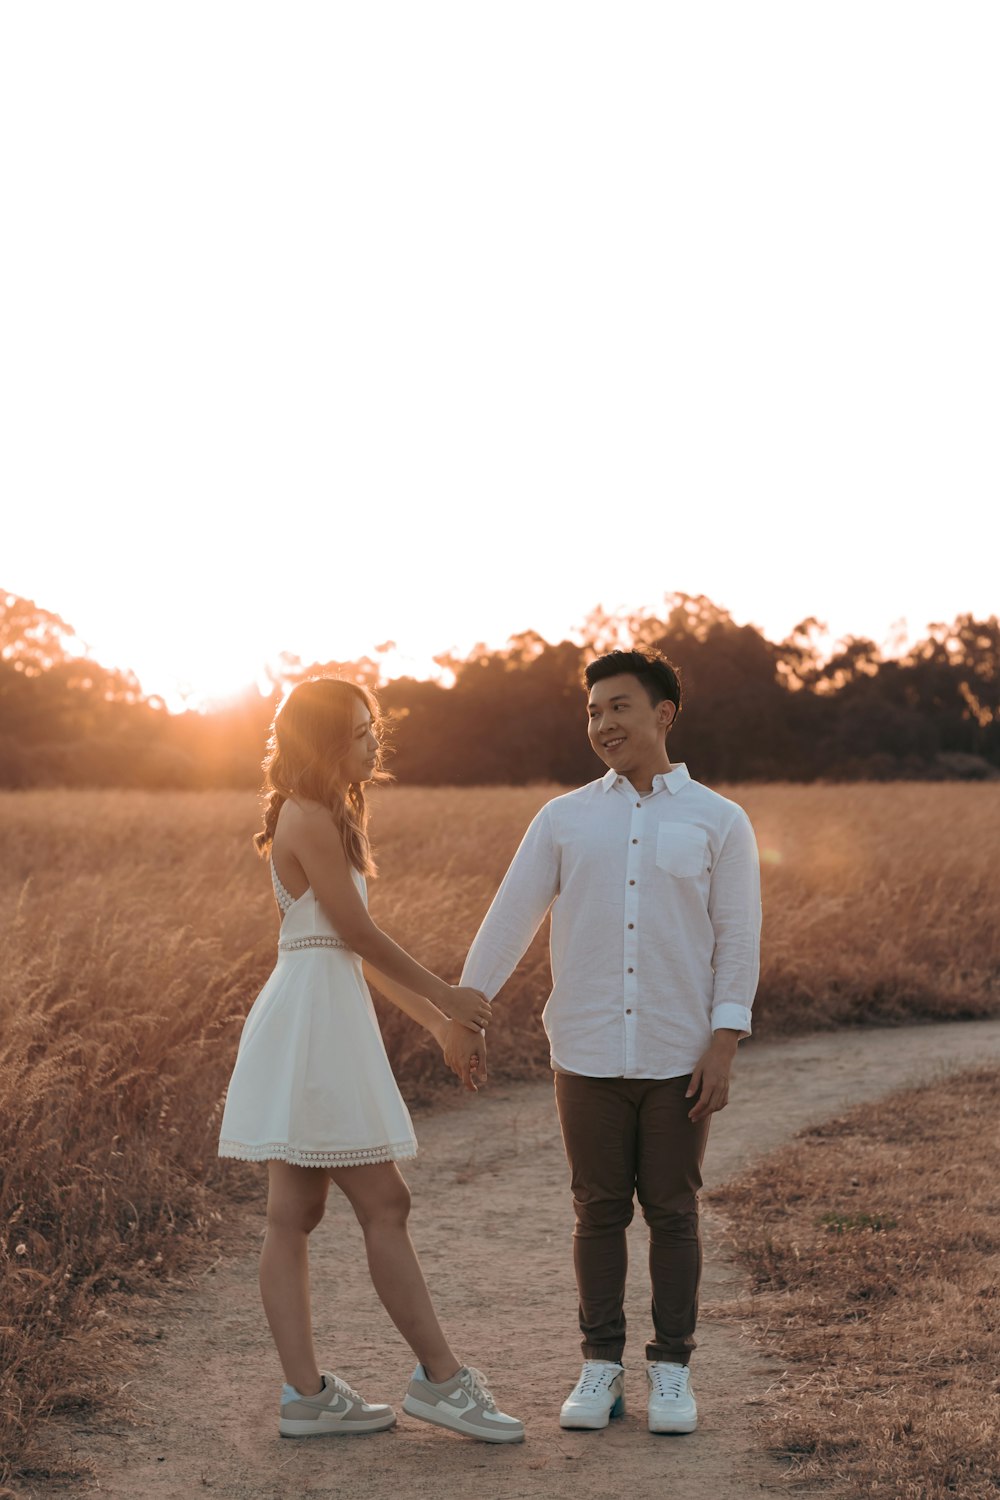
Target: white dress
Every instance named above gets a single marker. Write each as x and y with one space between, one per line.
312 1083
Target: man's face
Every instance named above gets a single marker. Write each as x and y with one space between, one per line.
625 729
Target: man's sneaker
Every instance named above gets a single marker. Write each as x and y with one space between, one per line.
671 1400
462 1404
337 1408
598 1396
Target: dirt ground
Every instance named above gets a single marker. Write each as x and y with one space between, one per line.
492 1222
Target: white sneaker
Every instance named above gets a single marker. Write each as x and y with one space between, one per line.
337 1408
598 1396
671 1400
462 1404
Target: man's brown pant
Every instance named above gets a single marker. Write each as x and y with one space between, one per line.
626 1137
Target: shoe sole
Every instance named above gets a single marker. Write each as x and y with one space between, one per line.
433 1414
584 1424
289 1428
676 1428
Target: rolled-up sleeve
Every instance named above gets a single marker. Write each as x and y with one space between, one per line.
528 889
734 910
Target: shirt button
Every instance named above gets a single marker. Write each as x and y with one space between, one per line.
635 841
631 971
638 804
628 1012
630 926
618 780
631 882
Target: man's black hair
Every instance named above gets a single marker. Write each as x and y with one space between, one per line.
657 675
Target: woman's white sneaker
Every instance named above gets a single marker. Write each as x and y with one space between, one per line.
671 1400
462 1404
336 1408
598 1396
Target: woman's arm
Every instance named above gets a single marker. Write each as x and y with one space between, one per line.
310 836
457 1041
417 1007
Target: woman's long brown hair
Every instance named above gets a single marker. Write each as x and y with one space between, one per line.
311 734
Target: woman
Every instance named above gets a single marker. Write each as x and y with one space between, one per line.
312 1092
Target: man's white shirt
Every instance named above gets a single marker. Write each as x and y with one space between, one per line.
655 939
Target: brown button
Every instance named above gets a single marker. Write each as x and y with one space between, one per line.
635 841
630 926
631 882
638 804
628 1012
631 971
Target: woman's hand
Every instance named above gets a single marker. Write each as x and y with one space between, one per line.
469 1006
465 1053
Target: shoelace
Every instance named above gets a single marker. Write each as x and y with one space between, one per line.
475 1383
669 1380
345 1389
596 1377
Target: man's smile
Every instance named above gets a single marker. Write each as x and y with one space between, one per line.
613 744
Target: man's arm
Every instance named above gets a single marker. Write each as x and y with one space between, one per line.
734 909
528 889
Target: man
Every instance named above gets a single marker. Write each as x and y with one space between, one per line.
654 950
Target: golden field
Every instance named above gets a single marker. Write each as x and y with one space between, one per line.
873 1250
137 928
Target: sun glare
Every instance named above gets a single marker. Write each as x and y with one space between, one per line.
192 676
487 378
199 678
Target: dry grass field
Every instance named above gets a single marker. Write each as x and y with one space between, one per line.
138 927
873 1245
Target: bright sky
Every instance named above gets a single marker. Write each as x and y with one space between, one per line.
325 324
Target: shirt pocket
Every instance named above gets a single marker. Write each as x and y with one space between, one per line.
681 849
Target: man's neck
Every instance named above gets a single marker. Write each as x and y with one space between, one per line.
642 780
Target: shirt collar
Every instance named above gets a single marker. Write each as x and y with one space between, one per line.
673 781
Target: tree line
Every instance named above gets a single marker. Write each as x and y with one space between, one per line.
753 709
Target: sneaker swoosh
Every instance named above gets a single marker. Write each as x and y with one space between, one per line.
335 1408
461 1401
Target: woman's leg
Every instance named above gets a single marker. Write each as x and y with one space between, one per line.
381 1201
296 1198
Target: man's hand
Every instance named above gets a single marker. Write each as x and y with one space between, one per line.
710 1079
470 1006
465 1053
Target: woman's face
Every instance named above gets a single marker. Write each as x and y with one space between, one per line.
362 756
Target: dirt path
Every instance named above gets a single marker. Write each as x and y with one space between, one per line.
492 1221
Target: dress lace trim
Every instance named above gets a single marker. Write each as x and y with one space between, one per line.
320 940
286 901
300 1157
284 897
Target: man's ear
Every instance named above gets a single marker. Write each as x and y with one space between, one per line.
668 713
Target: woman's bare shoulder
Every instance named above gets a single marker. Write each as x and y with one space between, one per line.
303 810
303 821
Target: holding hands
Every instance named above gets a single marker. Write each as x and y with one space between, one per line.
468 1006
461 1032
465 1053
464 1041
